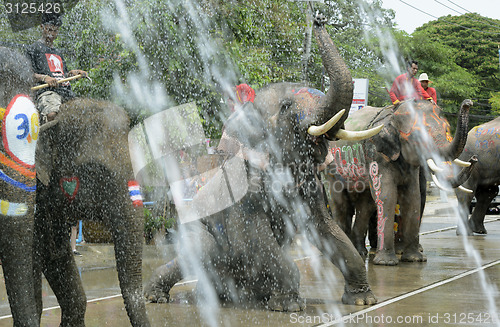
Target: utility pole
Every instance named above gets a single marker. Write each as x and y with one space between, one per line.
307 44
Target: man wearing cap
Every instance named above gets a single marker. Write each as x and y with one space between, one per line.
49 66
406 86
424 82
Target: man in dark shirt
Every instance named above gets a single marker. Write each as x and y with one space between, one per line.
50 67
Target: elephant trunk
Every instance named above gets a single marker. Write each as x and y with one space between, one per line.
464 174
127 234
17 263
455 148
340 92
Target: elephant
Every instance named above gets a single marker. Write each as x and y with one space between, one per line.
484 142
279 142
18 179
84 172
374 175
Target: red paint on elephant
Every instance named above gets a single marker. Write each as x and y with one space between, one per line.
417 125
307 99
381 219
350 162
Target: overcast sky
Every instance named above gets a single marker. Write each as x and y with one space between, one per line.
411 14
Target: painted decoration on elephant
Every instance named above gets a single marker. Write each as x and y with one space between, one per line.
69 186
309 95
13 209
134 191
486 139
479 131
381 219
419 121
20 130
349 161
9 180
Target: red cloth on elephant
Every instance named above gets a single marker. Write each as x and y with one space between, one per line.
244 93
405 88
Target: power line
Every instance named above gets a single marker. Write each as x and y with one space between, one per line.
468 28
488 21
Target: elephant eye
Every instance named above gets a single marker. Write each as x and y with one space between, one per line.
285 106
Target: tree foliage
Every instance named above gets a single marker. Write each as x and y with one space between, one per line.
460 54
138 51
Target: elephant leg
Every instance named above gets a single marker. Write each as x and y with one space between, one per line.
127 229
384 193
364 210
192 257
281 274
61 272
484 196
267 270
16 257
164 277
340 206
409 202
331 240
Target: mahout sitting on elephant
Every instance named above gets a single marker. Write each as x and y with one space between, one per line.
484 142
84 172
242 248
374 175
18 184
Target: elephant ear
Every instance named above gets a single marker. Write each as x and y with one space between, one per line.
44 155
387 141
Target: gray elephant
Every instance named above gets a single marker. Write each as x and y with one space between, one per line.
484 142
18 184
376 174
242 249
84 172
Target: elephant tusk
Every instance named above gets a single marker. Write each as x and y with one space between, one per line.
320 130
432 165
438 184
466 190
461 163
342 134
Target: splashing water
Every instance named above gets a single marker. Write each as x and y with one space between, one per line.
393 58
142 91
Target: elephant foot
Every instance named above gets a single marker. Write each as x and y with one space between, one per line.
385 258
398 248
477 228
156 295
359 296
286 303
413 256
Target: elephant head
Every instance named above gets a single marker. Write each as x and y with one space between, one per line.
18 184
298 117
420 133
85 172
16 74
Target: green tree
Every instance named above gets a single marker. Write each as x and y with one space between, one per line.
461 54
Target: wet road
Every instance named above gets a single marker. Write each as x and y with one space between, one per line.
448 290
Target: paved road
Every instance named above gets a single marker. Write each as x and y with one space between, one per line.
458 286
